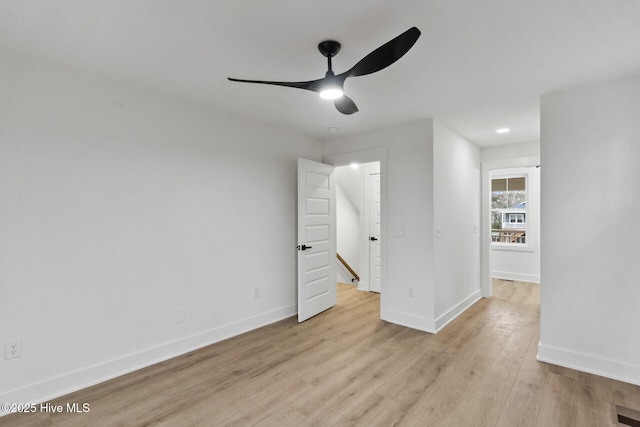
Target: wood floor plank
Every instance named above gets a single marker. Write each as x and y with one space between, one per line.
592 400
525 395
346 367
558 407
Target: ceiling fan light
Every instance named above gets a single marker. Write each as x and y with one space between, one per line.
331 93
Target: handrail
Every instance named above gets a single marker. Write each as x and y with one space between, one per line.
509 235
353 273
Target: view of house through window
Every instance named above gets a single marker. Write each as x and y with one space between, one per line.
509 210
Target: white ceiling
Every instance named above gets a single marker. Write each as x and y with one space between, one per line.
479 64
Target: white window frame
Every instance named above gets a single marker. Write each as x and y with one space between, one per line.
514 173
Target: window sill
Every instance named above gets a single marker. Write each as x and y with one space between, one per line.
511 247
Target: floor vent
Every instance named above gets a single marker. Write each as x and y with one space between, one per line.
628 416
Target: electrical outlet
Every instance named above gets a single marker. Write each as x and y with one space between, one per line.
410 292
256 293
180 316
12 349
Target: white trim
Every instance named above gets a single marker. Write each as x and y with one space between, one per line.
457 310
518 162
430 325
588 363
363 286
411 321
364 156
518 277
69 382
517 247
515 172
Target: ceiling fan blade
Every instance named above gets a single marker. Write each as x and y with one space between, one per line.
345 105
312 85
386 54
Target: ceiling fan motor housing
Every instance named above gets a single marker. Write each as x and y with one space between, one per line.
329 48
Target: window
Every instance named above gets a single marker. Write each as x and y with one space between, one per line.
509 210
516 218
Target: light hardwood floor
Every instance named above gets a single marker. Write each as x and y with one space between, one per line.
345 367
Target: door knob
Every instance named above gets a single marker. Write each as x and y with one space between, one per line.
373 239
304 247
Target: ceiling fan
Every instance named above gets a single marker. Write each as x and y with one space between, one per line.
331 86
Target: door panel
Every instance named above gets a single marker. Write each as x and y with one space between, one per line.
316 238
375 260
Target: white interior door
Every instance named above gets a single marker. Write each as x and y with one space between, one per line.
316 238
375 259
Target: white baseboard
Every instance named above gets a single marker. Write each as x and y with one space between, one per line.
410 321
457 310
69 382
587 363
430 325
518 277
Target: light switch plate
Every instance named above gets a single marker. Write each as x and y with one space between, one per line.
397 231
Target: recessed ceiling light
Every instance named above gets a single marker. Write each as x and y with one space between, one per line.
503 130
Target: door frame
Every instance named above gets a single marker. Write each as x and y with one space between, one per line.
368 156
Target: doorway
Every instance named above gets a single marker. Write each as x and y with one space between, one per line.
379 157
511 247
358 206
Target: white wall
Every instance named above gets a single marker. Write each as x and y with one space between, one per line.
351 182
119 207
408 180
347 223
432 174
590 298
342 274
456 205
